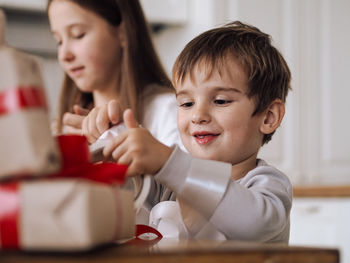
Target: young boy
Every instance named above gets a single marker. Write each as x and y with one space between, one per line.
231 85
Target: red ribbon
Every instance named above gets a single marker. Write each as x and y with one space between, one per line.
76 164
75 158
140 240
145 229
9 212
21 97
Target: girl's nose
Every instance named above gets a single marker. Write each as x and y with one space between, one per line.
201 114
65 53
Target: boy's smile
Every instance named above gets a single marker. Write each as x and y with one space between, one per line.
215 115
205 137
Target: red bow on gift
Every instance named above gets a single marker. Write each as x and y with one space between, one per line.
75 160
76 155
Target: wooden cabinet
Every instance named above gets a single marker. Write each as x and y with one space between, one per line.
322 222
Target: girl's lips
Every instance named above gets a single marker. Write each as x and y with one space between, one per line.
205 138
77 71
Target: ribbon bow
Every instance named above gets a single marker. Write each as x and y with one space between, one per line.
75 157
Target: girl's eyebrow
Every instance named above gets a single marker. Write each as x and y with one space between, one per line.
70 26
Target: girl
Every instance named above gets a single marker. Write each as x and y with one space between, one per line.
106 52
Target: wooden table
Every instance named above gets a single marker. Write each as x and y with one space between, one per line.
184 251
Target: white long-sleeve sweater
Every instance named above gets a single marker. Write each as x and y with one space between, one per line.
254 208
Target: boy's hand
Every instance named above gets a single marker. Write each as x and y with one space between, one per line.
100 119
137 148
72 122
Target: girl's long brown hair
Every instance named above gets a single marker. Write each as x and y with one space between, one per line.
140 64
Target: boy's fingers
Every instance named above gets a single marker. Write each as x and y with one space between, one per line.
113 145
113 111
80 110
134 169
129 120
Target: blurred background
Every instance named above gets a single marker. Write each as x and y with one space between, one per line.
311 147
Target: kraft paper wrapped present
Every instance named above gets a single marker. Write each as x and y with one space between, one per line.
27 146
80 207
64 215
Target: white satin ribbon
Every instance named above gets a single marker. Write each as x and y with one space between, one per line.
166 218
206 184
106 137
169 218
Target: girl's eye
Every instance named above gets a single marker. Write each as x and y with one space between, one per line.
79 36
222 102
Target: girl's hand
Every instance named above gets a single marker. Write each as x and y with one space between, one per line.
137 148
100 119
72 122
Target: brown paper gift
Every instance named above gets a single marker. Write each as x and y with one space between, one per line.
65 215
26 144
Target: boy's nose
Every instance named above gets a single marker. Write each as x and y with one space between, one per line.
200 115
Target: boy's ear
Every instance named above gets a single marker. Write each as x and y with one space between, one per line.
273 117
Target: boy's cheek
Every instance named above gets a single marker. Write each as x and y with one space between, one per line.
182 121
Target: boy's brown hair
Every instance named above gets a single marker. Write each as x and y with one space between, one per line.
267 72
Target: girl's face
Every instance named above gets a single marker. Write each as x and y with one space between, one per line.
89 48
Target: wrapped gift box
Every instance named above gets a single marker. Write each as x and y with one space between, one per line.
64 215
25 139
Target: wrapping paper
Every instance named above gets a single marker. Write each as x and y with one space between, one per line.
77 208
64 215
80 207
26 139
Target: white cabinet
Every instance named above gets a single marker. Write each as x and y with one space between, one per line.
34 5
173 12
156 11
312 146
322 222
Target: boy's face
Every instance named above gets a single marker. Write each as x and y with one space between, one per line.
215 115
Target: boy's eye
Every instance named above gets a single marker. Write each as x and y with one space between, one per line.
222 101
186 104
